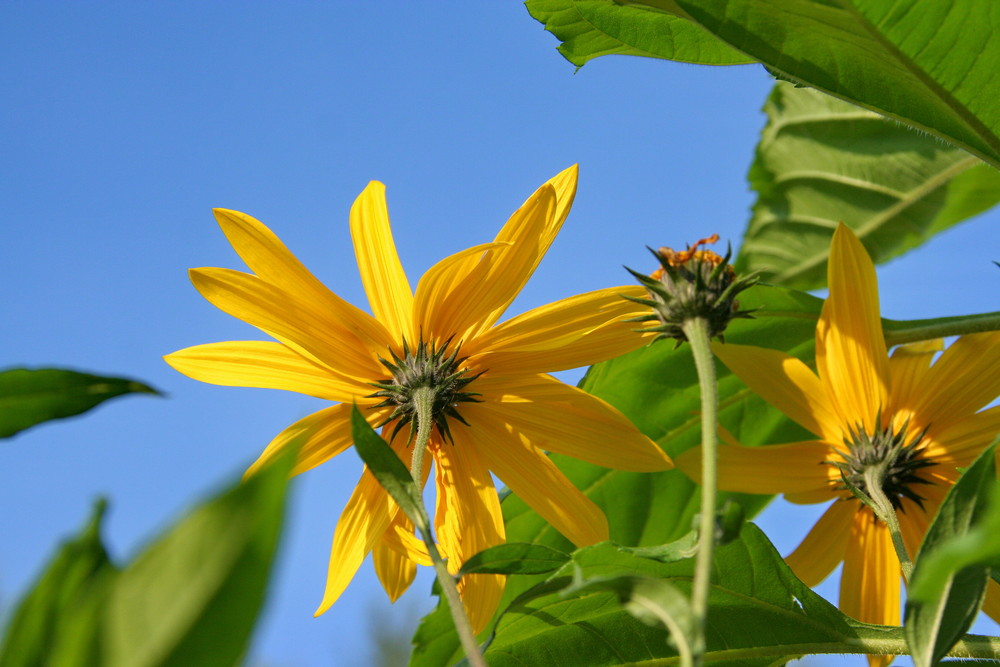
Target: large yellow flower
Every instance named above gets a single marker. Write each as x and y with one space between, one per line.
500 421
859 399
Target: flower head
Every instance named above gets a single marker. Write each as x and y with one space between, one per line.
499 412
907 421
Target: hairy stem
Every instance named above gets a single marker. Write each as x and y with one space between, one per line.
887 514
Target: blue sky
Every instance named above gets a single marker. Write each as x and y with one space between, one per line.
124 123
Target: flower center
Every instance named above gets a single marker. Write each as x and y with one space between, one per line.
886 456
426 366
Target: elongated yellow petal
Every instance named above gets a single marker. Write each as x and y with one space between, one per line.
319 437
914 521
964 380
535 479
264 364
394 570
468 520
850 351
908 368
793 468
382 273
824 546
362 523
968 437
303 326
786 383
569 333
869 585
992 603
556 417
564 184
268 257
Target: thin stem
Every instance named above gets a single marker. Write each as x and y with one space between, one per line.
696 331
423 397
887 514
897 333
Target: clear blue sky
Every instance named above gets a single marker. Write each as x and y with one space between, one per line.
124 123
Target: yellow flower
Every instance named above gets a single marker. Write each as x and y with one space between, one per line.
506 415
929 416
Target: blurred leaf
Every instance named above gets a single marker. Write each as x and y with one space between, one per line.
32 396
953 565
56 624
930 65
192 598
591 28
515 558
389 470
821 161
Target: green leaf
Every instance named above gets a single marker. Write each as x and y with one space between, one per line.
821 161
389 470
192 598
591 28
758 612
32 396
515 558
56 622
953 564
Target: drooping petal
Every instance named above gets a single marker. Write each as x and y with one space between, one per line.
965 379
556 417
535 479
786 383
304 326
569 333
319 437
268 257
850 351
264 364
382 273
823 547
869 586
792 468
394 570
468 520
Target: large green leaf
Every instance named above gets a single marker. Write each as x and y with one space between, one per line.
591 28
932 65
32 396
953 565
56 622
821 161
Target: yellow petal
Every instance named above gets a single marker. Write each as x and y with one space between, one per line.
268 257
569 333
968 437
908 367
319 437
362 523
468 520
786 383
394 570
793 468
992 603
556 417
965 379
264 364
869 585
535 479
850 351
914 521
382 273
823 547
303 326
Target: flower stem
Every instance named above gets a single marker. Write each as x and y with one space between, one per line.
887 514
696 331
423 397
912 331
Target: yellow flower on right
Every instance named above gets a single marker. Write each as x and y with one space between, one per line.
925 417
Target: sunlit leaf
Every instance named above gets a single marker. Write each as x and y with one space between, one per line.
821 161
515 558
32 396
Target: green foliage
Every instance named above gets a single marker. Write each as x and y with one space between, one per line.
953 565
32 396
821 161
191 598
930 65
591 28
515 558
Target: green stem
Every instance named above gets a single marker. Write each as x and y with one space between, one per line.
912 331
696 331
423 397
887 514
